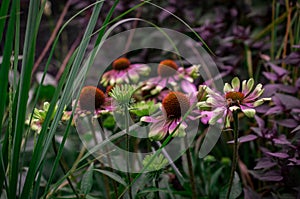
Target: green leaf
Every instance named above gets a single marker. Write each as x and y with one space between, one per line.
236 188
215 177
87 180
112 175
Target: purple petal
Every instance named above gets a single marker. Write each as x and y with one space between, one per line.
188 87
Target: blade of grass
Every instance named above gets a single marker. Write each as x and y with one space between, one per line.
27 64
45 137
100 35
4 70
3 16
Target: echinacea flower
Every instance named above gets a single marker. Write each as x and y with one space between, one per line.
124 72
234 98
93 101
174 106
169 74
39 116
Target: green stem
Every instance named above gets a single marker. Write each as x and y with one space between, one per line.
235 151
156 183
190 168
61 163
127 146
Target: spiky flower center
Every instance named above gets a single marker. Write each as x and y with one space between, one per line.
91 98
121 64
234 97
176 104
167 68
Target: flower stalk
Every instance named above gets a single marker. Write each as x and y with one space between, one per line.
190 168
126 112
235 151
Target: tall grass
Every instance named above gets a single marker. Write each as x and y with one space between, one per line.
13 138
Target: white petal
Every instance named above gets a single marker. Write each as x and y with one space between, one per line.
227 88
249 112
235 82
261 101
234 108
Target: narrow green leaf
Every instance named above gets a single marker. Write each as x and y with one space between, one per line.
22 95
87 180
112 175
3 16
214 178
236 188
210 140
45 137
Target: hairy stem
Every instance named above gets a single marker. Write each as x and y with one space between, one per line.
235 151
156 183
62 165
190 167
127 146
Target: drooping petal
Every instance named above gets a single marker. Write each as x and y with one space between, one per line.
180 132
261 101
188 87
149 119
249 112
158 131
255 93
217 114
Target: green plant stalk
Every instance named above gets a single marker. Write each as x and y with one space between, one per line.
190 168
156 184
235 151
3 16
22 95
63 168
45 136
159 150
126 112
4 70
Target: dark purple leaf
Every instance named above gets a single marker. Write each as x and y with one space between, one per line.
281 140
250 194
260 122
296 129
164 14
246 138
270 76
264 163
271 89
297 84
274 110
278 70
290 123
294 161
288 101
293 59
278 154
257 131
273 176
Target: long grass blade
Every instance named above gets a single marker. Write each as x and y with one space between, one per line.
3 16
100 35
22 95
4 70
45 137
